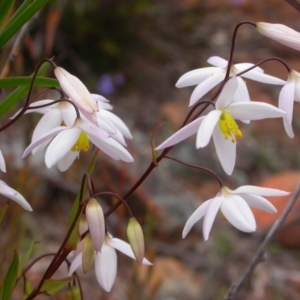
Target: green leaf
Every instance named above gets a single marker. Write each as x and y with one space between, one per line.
52 286
20 10
5 6
16 22
3 212
11 278
26 257
27 288
21 81
18 93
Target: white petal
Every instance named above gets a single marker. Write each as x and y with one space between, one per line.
68 113
207 127
239 215
241 94
260 77
119 124
49 121
218 61
288 129
195 217
118 137
205 86
106 267
12 194
196 76
76 90
104 125
45 137
102 102
2 162
76 263
210 215
61 145
112 148
182 134
280 33
244 66
286 98
125 248
259 202
64 163
226 151
41 110
227 93
254 111
261 191
91 128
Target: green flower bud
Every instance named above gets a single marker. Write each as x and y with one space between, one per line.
136 239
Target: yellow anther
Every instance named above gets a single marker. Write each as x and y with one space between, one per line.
228 127
82 143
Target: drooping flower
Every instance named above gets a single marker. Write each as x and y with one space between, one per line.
10 193
235 207
76 90
288 94
208 78
106 261
280 33
69 141
220 124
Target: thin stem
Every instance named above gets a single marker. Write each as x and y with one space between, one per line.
22 111
262 62
233 45
198 168
59 256
235 288
33 263
115 195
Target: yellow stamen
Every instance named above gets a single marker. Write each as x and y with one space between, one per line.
228 127
82 143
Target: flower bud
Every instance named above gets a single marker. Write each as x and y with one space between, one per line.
95 219
83 225
88 253
76 90
280 33
136 239
73 293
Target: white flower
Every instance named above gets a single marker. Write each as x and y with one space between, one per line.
235 207
280 33
106 261
208 78
290 93
76 90
69 141
10 193
220 124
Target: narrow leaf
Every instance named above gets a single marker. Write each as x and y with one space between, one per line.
26 257
24 81
11 278
18 94
52 286
17 22
5 6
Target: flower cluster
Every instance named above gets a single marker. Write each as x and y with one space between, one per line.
233 104
66 134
